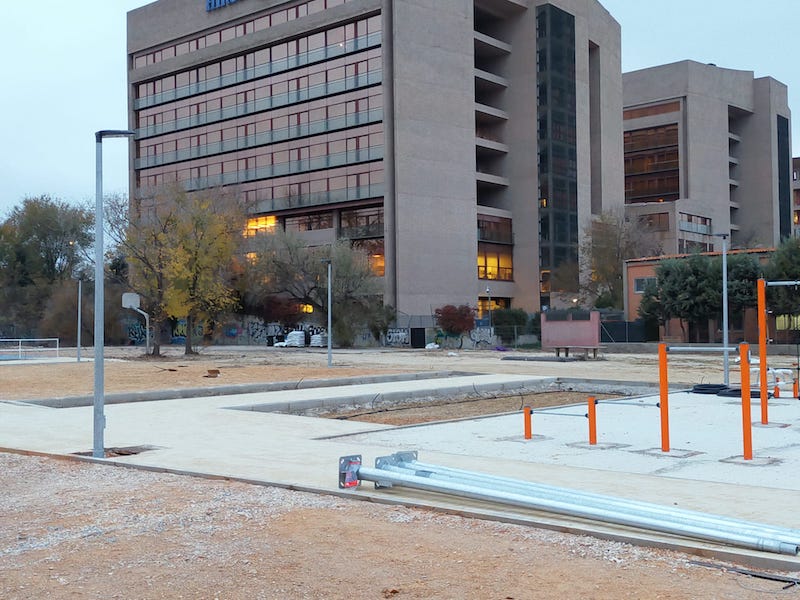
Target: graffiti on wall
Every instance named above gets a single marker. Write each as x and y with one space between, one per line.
398 336
137 333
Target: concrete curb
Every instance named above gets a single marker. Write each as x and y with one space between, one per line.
242 388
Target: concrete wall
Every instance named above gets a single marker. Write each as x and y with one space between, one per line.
433 161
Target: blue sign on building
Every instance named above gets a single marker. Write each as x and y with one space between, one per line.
215 4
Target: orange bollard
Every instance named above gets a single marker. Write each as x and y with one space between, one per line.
761 296
527 413
747 426
663 385
795 389
776 392
592 420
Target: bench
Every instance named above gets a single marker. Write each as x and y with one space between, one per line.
585 350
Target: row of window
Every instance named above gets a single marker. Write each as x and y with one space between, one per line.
349 219
660 187
655 221
334 149
268 61
279 83
216 107
649 111
281 125
231 32
694 224
342 184
652 162
651 137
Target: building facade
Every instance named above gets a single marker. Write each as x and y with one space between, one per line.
796 196
462 143
707 151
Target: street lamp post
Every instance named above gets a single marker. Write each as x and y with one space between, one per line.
80 295
489 293
725 361
329 262
98 448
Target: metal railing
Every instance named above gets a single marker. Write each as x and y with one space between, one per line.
20 347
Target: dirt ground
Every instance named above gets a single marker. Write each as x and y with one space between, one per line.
77 530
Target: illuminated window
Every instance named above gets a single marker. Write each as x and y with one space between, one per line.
374 250
261 224
495 262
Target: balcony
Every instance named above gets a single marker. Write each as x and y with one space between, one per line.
501 8
495 237
487 46
489 146
489 115
489 180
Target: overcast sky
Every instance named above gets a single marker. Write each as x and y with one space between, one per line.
63 77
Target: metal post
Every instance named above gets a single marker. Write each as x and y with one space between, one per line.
725 360
663 404
761 299
330 306
80 294
747 427
98 448
489 293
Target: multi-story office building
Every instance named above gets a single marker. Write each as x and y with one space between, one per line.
463 143
796 197
707 151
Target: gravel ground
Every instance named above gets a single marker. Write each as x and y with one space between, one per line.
80 530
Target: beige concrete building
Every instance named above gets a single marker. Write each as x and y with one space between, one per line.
707 151
796 196
463 143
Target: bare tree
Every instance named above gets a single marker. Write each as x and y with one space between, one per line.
608 241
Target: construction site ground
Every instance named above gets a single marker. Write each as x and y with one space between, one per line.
239 529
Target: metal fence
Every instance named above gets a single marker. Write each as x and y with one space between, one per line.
22 348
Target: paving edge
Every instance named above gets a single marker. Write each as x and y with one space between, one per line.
241 388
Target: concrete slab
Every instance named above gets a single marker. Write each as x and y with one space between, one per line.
703 471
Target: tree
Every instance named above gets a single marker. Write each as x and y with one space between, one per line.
282 266
179 249
608 241
455 320
42 242
784 266
743 273
508 322
651 309
208 234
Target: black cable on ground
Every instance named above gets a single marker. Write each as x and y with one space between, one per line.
708 388
737 393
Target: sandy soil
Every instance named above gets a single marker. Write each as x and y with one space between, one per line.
127 370
73 530
76 530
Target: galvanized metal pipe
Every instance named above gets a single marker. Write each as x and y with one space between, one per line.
645 509
403 469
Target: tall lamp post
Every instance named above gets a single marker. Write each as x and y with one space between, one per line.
80 295
98 448
725 362
329 262
489 293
